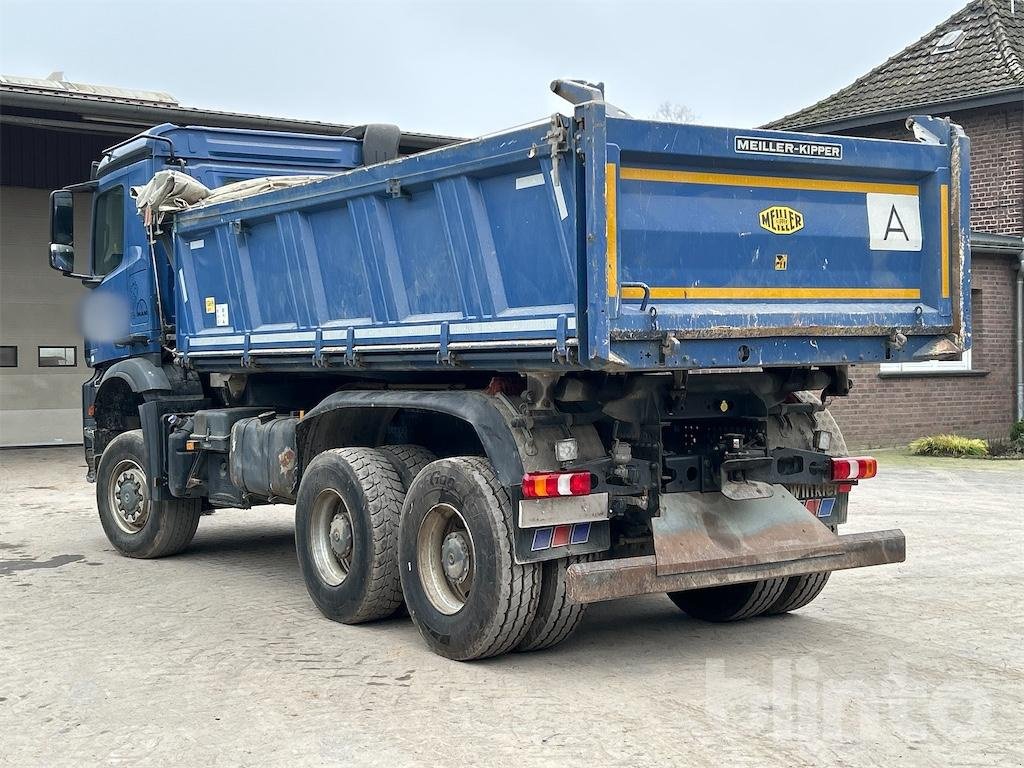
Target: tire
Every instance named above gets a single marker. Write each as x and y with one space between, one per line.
557 616
798 592
408 460
136 525
801 590
732 602
350 499
484 602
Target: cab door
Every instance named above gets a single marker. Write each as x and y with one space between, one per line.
121 317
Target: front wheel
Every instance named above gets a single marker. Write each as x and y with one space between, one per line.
465 592
135 524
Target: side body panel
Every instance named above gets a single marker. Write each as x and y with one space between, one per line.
470 244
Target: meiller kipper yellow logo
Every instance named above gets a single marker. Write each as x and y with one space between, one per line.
781 220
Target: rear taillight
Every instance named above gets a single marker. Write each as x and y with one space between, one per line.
540 485
853 468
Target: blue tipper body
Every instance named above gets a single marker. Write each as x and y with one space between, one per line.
597 242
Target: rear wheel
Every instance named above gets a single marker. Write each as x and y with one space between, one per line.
797 433
798 592
135 524
408 460
346 534
465 592
731 602
557 616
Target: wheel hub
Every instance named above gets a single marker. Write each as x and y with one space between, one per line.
129 497
455 556
341 535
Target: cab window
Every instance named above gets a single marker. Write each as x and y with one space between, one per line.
108 231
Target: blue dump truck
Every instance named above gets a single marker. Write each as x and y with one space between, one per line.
504 378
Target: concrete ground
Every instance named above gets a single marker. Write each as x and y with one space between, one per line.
217 657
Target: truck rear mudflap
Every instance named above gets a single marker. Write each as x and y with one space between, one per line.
707 540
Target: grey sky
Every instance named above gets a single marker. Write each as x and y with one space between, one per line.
465 68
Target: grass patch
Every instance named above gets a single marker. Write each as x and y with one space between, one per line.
949 445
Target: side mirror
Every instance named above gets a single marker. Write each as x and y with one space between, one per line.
62 231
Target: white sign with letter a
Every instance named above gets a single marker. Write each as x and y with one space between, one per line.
894 222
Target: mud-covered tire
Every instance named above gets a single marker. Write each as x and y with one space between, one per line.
732 602
408 460
460 499
557 616
354 492
162 528
798 592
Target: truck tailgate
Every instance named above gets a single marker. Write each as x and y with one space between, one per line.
729 247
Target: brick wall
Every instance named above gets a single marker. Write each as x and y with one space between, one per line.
892 411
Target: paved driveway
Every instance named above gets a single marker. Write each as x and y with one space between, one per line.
217 657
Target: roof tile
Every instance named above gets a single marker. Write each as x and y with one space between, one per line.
988 59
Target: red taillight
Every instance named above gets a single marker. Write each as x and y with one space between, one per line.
539 485
853 468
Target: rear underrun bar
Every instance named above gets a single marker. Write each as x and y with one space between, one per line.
610 579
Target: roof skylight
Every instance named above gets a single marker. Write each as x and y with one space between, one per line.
949 41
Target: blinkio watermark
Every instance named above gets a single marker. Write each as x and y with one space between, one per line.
805 699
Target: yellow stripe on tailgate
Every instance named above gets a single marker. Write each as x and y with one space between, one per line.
771 182
944 237
611 233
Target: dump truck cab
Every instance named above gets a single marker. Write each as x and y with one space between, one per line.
121 261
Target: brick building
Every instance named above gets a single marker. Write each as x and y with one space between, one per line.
971 69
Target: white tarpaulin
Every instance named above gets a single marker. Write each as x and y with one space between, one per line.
172 191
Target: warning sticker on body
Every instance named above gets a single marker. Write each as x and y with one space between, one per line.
222 315
211 305
752 145
894 222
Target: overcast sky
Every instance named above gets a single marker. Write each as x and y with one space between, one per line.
464 68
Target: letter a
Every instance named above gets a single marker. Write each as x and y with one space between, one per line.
898 228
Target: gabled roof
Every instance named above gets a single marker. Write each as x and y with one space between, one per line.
986 60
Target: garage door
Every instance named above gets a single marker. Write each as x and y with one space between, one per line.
41 357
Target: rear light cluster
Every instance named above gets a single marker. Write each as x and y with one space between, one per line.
853 468
541 485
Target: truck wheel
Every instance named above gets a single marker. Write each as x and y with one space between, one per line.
798 592
136 525
346 534
465 592
731 602
408 460
557 616
801 590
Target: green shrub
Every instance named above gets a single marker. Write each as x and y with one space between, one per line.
1005 448
1017 432
949 445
